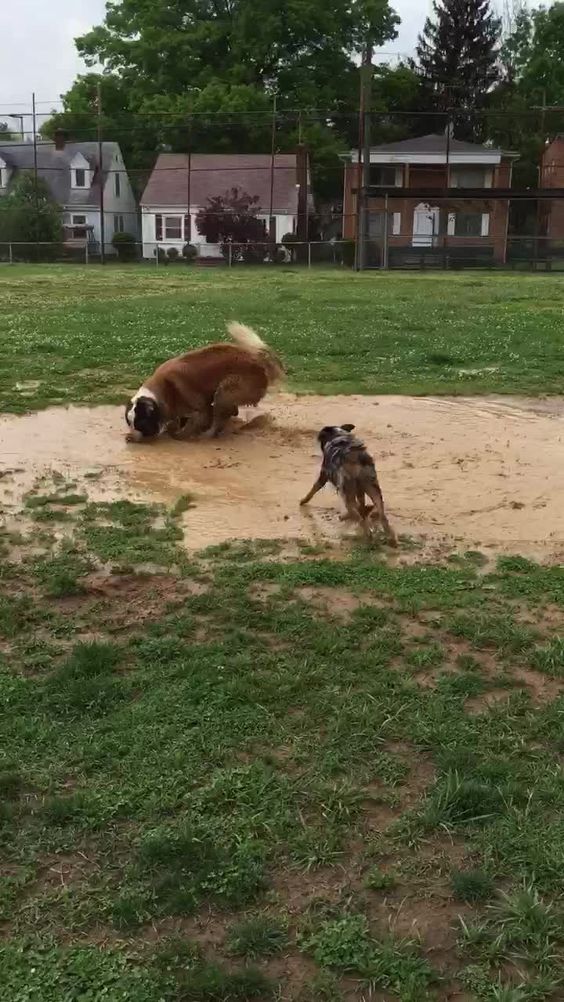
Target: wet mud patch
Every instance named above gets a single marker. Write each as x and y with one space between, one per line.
474 473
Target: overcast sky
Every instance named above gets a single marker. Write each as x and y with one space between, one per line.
38 52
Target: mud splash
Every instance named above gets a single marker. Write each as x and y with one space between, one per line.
483 472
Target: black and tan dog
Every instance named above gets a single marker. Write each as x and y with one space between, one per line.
200 391
348 465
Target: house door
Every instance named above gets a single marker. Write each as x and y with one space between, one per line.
425 225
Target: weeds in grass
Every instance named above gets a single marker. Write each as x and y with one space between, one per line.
257 936
472 885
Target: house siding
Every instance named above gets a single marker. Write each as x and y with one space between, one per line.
421 177
285 223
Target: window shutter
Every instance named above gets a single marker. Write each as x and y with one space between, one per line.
158 227
187 228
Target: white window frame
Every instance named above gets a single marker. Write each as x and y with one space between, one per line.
457 171
485 226
75 173
398 176
119 224
166 235
79 220
396 224
3 174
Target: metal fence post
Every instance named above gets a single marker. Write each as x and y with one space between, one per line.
230 255
86 252
10 254
309 253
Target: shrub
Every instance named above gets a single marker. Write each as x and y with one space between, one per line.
124 244
173 254
161 255
189 253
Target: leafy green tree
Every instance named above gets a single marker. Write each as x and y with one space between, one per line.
28 213
458 58
202 75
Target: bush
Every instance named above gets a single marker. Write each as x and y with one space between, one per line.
160 254
124 244
173 254
189 253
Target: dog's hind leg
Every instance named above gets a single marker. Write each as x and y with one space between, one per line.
377 512
355 508
233 392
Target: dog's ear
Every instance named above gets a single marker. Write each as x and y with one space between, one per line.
348 427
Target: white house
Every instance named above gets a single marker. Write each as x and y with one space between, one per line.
181 184
73 175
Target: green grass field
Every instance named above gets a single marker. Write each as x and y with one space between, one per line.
273 772
85 334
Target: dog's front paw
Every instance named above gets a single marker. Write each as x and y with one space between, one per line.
134 436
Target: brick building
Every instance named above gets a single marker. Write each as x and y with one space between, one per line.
464 228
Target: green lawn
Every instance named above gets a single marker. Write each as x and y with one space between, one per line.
270 771
86 334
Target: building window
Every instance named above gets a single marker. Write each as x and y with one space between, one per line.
78 226
79 177
173 227
468 224
383 176
187 228
468 177
375 225
158 227
3 174
117 184
118 224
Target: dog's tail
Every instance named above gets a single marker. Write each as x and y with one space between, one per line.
248 340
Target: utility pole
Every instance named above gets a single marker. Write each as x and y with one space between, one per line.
272 235
101 174
35 188
363 181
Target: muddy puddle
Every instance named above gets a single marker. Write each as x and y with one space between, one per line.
482 472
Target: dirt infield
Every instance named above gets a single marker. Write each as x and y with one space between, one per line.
480 472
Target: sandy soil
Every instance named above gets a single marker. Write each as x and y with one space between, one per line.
479 472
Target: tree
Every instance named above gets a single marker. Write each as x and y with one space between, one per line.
201 74
231 218
5 134
458 58
29 214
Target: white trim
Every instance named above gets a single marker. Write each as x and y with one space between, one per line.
451 225
396 224
487 157
485 224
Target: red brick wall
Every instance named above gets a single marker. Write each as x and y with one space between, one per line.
552 176
498 211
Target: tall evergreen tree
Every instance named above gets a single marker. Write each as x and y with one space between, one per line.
458 59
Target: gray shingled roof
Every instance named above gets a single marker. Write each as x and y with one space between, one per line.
212 174
53 166
433 143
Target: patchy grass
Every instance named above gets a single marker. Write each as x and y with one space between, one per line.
204 769
73 334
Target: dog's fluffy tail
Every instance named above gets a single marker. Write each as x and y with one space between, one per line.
248 340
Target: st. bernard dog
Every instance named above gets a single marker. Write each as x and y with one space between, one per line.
200 391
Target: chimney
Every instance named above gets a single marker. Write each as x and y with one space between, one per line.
60 139
302 158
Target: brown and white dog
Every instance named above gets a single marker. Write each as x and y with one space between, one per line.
200 391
